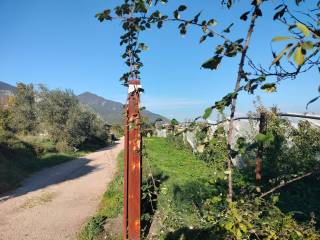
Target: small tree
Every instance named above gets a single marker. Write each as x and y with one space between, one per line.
56 108
24 109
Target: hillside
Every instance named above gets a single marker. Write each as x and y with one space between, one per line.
6 86
111 111
6 90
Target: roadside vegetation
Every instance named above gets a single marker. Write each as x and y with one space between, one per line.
185 194
40 128
283 206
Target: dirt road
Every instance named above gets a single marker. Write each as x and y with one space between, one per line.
53 204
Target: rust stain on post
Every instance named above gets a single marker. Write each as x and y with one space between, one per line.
132 166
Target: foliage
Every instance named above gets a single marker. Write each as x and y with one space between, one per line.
288 151
215 149
178 142
254 219
117 130
24 109
248 217
36 126
6 120
68 123
147 128
174 122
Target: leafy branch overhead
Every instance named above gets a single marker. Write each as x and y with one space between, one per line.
302 45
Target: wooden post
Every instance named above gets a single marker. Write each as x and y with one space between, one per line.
132 171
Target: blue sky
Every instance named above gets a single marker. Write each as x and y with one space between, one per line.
61 44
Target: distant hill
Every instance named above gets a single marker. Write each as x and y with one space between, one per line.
111 111
8 87
6 90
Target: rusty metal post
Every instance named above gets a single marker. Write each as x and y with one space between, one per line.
132 168
125 182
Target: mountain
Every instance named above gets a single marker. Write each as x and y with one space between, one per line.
111 111
6 90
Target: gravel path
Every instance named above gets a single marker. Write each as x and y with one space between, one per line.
54 203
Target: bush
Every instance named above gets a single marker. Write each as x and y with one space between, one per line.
254 219
17 159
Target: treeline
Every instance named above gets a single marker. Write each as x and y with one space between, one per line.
55 114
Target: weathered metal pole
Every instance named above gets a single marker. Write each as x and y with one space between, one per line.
132 165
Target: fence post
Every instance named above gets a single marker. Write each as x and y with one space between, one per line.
132 166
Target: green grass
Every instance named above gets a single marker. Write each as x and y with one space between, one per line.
110 207
185 184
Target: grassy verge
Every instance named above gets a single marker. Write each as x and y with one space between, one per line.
21 156
185 183
110 207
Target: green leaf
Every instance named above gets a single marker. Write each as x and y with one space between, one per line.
291 52
264 138
269 87
143 47
212 63
258 12
282 38
196 17
299 56
275 199
227 30
203 38
207 113
182 8
280 13
303 28
212 22
307 45
176 14
183 30
244 16
277 59
228 226
243 228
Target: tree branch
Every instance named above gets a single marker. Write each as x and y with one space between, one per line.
237 89
286 183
